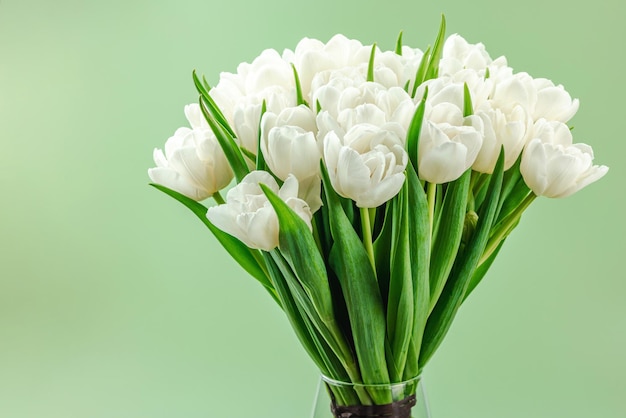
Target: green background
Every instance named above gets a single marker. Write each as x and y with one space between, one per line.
115 302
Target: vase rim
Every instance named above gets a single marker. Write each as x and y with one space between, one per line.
336 382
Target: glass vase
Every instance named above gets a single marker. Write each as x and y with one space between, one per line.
336 399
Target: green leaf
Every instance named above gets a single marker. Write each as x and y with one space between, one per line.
448 234
420 73
350 262
370 65
419 240
248 154
227 142
299 322
204 88
433 63
381 251
517 193
247 258
468 109
464 266
399 44
400 308
481 271
301 252
406 85
311 290
415 128
299 98
260 160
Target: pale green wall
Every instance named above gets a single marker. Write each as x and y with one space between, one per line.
114 302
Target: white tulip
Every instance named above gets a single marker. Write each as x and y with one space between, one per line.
458 54
500 129
269 77
249 216
446 151
227 93
371 103
288 143
268 70
411 59
312 57
554 167
289 146
195 117
367 166
193 164
247 114
553 102
327 86
449 143
540 97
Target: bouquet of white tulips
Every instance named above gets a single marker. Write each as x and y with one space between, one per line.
373 188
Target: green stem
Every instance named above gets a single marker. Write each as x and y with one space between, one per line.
218 198
372 212
431 192
367 235
505 228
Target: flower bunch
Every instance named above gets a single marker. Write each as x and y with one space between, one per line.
373 188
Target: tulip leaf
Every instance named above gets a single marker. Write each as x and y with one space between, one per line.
298 321
400 307
312 290
465 264
448 233
227 142
512 200
420 73
419 240
326 329
299 98
237 249
370 64
381 250
310 330
415 128
260 160
511 177
433 62
349 260
482 270
406 85
301 252
204 88
247 154
514 191
399 44
468 109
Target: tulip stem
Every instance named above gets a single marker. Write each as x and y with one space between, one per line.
367 235
218 198
431 191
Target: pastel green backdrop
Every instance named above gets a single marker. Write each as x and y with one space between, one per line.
115 302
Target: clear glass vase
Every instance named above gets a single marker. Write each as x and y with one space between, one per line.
348 400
